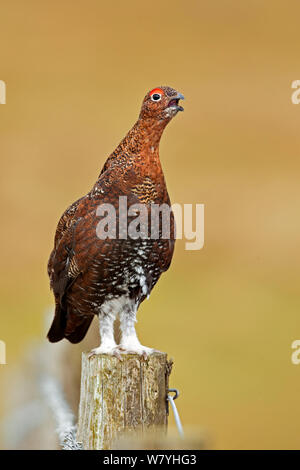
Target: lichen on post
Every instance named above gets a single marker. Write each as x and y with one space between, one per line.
122 398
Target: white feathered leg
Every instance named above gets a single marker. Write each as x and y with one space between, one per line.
129 340
106 329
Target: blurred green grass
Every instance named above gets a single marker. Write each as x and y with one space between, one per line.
76 74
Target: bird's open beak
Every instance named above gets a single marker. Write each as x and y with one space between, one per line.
174 102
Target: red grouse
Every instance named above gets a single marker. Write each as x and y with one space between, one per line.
109 276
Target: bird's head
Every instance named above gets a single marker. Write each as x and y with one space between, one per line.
161 104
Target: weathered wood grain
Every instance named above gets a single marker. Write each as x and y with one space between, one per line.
119 398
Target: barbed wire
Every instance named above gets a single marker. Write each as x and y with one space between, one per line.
64 418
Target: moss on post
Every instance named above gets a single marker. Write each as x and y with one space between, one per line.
118 398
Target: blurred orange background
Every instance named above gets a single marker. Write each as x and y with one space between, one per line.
76 74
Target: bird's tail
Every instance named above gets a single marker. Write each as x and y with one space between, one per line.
68 325
77 330
57 329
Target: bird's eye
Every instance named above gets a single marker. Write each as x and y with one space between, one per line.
156 97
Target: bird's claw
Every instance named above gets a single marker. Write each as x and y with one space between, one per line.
117 351
142 351
111 352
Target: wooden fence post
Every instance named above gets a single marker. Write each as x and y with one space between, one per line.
118 398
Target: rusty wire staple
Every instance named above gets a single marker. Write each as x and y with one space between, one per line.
171 399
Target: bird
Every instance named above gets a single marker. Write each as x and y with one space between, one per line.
110 276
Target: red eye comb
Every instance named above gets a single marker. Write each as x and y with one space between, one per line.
156 90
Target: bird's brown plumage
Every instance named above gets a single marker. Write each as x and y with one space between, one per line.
86 271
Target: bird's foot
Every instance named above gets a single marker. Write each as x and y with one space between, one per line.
139 349
103 349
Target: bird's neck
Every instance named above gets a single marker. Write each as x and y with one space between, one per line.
140 145
143 139
149 132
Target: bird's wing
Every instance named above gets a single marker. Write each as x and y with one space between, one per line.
68 258
66 220
63 265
